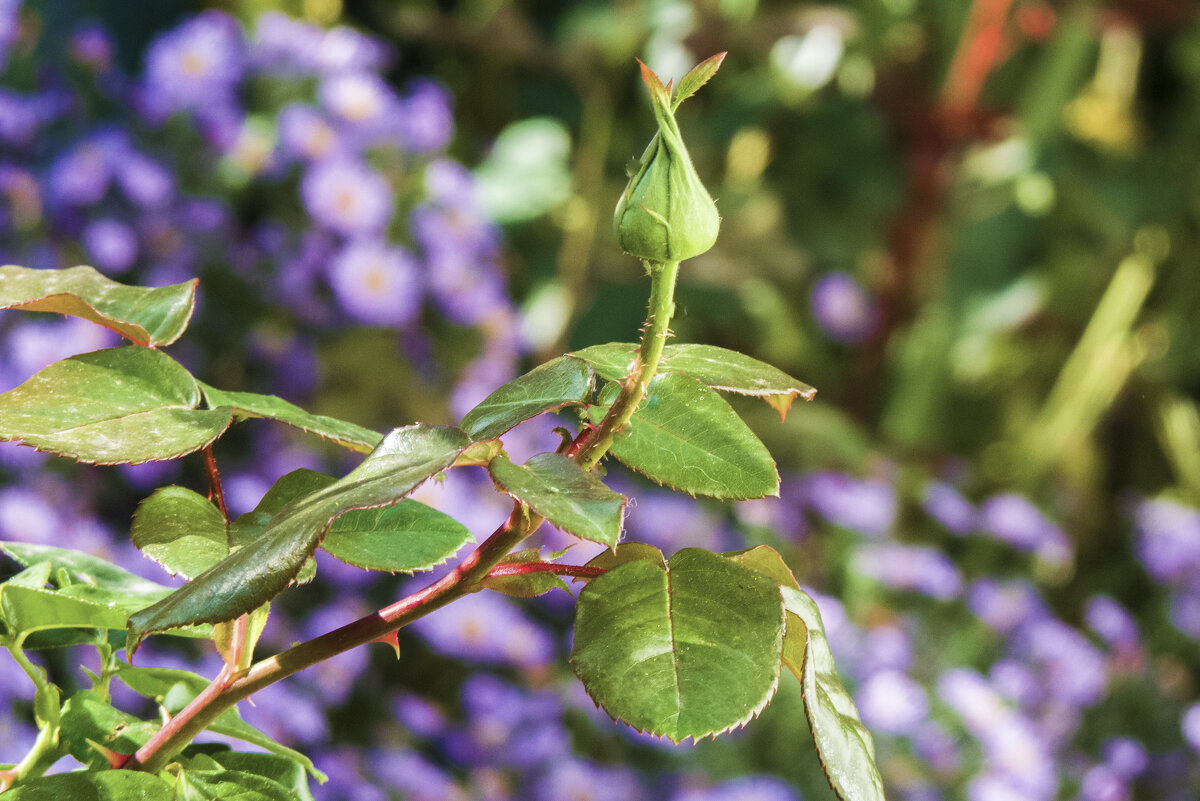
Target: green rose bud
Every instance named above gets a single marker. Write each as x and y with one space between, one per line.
665 213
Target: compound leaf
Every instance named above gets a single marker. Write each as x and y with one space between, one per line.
261 569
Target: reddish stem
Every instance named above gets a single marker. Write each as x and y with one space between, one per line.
522 568
215 493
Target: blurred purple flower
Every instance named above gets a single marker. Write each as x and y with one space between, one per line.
1126 756
343 49
842 309
1005 605
670 521
305 134
1101 783
285 46
467 289
81 175
507 726
1168 541
1185 611
579 780
913 568
1190 723
419 716
20 199
376 283
1011 518
1013 679
22 116
743 788
945 504
92 46
427 122
413 776
287 715
1069 668
197 65
145 182
867 506
359 100
112 245
487 628
348 779
347 197
885 647
36 343
1111 622
890 701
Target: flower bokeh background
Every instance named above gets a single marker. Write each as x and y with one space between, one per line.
975 227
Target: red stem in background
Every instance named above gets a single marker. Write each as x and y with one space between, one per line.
522 568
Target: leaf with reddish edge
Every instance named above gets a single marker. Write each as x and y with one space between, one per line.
143 315
572 499
260 570
117 406
697 77
689 649
251 404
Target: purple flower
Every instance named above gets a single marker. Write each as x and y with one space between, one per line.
1005 605
1168 539
466 291
743 788
487 628
419 716
197 65
305 134
867 506
945 504
112 245
36 343
376 283
80 177
92 46
347 197
1011 518
347 778
359 100
414 776
579 780
913 568
1015 681
1070 669
1111 622
427 122
507 726
1101 783
842 308
892 702
1190 723
285 46
22 116
1126 756
886 647
670 521
1185 611
20 198
343 49
145 182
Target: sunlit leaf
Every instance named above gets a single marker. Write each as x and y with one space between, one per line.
560 382
261 569
688 650
87 717
143 315
572 499
108 785
117 406
181 530
404 538
250 404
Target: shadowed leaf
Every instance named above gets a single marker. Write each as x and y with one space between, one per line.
560 382
571 498
250 404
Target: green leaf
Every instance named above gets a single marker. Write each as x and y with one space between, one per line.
697 77
718 368
628 552
260 570
116 406
108 785
404 538
525 585
571 498
82 568
844 745
181 530
174 689
36 575
28 609
280 770
87 717
142 315
249 404
686 436
564 381
229 785
686 651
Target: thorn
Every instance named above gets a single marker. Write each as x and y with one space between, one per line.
115 760
392 640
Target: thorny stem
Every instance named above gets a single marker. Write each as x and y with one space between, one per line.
524 568
215 492
589 447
